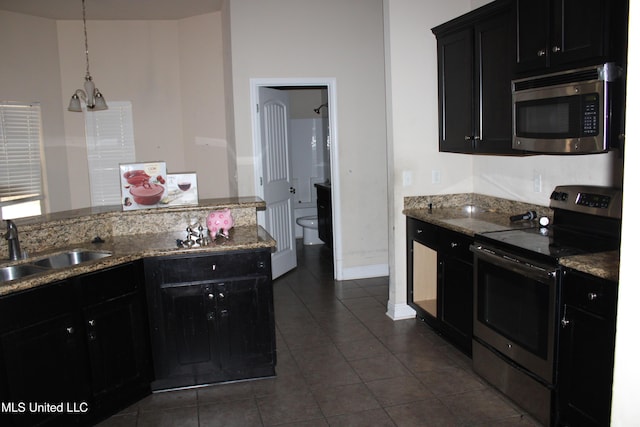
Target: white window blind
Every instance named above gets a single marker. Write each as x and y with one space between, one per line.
20 156
109 143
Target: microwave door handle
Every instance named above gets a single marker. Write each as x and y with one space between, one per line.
543 274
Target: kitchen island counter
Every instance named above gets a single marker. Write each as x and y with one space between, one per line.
132 247
129 236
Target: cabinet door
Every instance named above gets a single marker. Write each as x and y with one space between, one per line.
456 92
585 370
494 40
116 331
185 341
117 337
578 31
44 362
532 35
245 327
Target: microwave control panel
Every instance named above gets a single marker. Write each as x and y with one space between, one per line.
590 114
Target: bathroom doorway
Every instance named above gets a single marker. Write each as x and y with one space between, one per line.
309 154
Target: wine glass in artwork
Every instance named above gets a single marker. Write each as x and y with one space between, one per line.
184 185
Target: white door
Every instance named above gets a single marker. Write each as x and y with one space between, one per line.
276 177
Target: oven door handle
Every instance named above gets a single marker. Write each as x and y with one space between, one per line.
519 266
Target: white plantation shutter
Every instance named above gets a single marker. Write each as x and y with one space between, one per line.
109 143
20 154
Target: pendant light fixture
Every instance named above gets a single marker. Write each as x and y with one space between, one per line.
90 95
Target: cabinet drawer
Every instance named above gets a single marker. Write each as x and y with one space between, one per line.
455 244
196 268
422 232
109 283
35 305
590 293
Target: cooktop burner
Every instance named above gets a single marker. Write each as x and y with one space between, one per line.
554 242
586 219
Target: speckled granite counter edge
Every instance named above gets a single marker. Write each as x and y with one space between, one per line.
137 246
41 233
481 201
470 213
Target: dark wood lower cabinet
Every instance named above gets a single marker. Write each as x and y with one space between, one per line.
440 280
586 350
77 351
74 352
211 318
117 335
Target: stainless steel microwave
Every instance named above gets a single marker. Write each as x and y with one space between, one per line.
566 112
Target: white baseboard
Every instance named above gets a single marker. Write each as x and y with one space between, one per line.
363 272
400 311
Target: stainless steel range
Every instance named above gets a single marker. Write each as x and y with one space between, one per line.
517 286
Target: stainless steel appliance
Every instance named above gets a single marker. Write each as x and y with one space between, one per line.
567 112
517 286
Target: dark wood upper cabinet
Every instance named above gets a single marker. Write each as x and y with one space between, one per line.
476 53
554 35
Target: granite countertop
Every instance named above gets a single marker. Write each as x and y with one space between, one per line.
132 247
605 265
469 220
471 214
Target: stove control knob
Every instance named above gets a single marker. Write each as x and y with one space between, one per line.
544 221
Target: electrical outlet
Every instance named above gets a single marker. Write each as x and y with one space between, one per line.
407 178
435 177
537 182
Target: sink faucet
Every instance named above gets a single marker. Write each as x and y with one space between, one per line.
14 242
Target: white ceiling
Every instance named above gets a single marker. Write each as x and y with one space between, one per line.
112 9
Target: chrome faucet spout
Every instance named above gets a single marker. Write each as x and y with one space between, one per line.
15 253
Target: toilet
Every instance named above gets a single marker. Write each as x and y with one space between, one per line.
309 226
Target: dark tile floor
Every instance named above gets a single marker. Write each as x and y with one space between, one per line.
341 362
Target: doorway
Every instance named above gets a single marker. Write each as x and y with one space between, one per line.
285 209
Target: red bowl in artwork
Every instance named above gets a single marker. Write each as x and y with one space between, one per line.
136 177
147 194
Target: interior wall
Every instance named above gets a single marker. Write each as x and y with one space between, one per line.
203 107
513 178
154 64
135 61
323 40
30 71
412 102
625 410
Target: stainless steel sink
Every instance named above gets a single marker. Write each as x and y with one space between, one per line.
13 272
60 260
67 259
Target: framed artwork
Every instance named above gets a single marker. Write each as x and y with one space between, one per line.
143 185
182 189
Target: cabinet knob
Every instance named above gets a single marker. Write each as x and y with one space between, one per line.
542 52
565 323
211 296
92 322
454 245
92 336
591 296
70 330
555 49
419 231
220 295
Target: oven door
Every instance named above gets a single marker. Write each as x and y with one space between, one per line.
515 309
